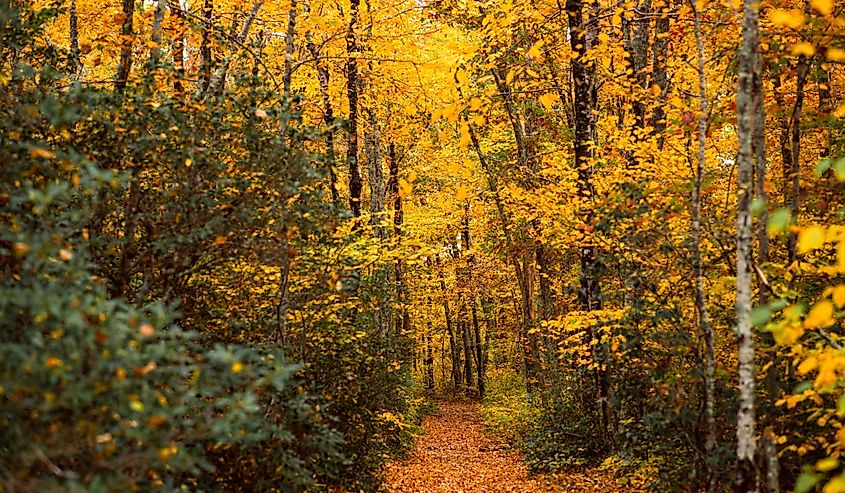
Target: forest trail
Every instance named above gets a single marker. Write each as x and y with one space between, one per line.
454 455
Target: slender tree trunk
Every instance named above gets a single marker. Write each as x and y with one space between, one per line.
352 52
218 79
704 327
793 179
207 64
158 18
450 329
530 349
124 67
323 76
372 143
398 219
178 48
825 104
290 46
760 167
746 422
429 361
479 355
636 45
468 351
659 75
73 60
583 78
471 300
786 160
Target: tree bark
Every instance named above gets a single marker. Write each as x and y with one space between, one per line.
747 480
372 143
178 48
793 179
479 355
352 52
218 79
584 86
529 346
323 76
659 75
124 67
704 327
73 60
158 18
454 351
207 64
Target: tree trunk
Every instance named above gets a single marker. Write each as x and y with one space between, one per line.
218 79
468 349
178 48
793 179
352 52
760 167
158 18
454 351
323 76
704 327
584 86
429 361
372 143
124 67
479 355
659 75
746 439
73 60
529 345
206 54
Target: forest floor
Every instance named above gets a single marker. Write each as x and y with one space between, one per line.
454 455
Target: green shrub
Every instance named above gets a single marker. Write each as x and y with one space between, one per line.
97 394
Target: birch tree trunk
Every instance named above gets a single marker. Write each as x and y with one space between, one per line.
218 79
704 327
745 102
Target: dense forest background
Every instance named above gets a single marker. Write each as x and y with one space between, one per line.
246 244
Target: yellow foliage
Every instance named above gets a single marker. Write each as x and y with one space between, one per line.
792 19
820 316
824 7
810 238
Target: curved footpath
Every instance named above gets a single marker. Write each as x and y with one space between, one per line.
455 456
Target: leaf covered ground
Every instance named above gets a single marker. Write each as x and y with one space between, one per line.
454 455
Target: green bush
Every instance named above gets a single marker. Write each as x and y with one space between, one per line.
97 394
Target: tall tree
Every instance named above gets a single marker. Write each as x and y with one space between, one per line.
585 93
352 88
704 326
746 421
124 67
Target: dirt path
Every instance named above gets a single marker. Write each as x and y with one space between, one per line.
455 456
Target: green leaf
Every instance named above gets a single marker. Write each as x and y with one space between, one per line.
840 406
823 166
806 481
839 169
758 205
802 387
760 315
779 221
778 304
